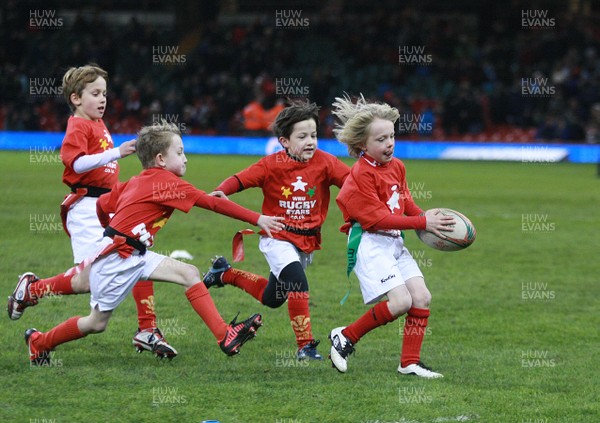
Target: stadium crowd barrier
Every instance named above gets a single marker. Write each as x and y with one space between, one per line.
424 149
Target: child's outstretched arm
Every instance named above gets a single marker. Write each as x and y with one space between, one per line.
431 220
228 208
229 186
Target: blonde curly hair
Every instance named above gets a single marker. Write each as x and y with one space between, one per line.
355 120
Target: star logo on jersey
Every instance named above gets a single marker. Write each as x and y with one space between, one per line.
159 223
312 191
286 192
394 201
299 185
103 143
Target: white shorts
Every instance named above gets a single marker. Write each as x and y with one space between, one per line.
281 253
112 278
85 229
383 263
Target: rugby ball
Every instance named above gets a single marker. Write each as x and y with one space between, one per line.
462 235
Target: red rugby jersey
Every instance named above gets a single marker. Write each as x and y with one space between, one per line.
84 137
373 191
298 191
145 203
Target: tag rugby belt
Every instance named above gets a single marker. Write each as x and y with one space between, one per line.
91 191
305 232
237 244
138 245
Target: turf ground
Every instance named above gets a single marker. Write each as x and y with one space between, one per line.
514 325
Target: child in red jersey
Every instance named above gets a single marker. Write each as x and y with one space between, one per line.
295 184
376 202
141 207
91 169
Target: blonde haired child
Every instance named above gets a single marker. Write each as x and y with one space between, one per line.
376 204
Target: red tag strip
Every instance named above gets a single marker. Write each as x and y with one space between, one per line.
237 251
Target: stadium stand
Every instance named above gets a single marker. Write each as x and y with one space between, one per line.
479 74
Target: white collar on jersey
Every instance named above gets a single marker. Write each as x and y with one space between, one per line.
370 160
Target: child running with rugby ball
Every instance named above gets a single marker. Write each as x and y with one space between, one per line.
376 204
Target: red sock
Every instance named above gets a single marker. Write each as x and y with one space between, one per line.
300 317
414 331
249 282
65 332
205 307
378 315
56 285
143 294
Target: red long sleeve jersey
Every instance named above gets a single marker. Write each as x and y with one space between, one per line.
144 203
373 192
298 191
85 137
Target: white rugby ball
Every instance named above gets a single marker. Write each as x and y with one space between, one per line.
462 235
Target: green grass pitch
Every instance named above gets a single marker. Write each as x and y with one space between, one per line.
514 325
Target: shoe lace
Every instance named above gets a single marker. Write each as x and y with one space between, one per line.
234 320
151 339
233 329
347 349
219 265
423 366
313 344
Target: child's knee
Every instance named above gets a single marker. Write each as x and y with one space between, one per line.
273 299
273 303
421 299
80 284
399 305
190 275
